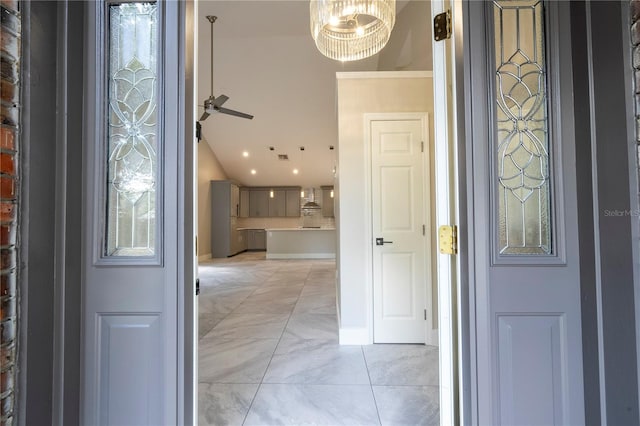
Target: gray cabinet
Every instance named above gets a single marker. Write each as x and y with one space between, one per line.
256 239
244 202
239 240
277 203
259 203
225 199
327 201
234 208
292 202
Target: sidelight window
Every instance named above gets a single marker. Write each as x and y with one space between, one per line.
132 130
521 145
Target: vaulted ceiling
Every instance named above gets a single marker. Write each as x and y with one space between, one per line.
266 62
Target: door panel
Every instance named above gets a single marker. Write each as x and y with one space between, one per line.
398 269
131 278
532 361
526 321
131 349
399 265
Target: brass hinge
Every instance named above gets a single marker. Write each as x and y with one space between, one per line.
448 235
442 26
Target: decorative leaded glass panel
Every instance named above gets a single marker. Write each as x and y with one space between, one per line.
132 130
524 211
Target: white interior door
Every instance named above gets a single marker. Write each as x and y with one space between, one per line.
399 220
135 217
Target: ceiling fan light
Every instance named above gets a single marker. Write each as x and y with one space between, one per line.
350 30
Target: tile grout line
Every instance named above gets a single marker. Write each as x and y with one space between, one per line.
265 371
375 402
272 355
263 281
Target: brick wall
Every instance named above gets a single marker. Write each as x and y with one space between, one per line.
9 134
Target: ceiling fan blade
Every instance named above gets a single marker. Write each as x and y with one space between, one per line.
220 100
236 113
204 116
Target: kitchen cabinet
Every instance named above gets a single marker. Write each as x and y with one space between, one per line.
292 203
327 201
259 203
234 208
225 199
244 202
239 240
277 203
256 239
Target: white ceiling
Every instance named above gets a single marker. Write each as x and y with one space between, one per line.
266 62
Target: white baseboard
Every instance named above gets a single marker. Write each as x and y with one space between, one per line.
203 257
301 255
354 336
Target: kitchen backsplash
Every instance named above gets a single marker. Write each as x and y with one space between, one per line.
279 222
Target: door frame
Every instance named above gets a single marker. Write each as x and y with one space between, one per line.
187 217
450 80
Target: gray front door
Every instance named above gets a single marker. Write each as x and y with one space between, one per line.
526 346
137 219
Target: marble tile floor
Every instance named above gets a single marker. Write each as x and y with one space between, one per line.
269 353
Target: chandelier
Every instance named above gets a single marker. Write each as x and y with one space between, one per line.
349 30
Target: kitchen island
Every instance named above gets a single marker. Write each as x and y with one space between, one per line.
301 243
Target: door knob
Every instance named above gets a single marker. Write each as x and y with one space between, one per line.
381 241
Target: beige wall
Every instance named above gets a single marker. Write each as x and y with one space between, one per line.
356 97
209 168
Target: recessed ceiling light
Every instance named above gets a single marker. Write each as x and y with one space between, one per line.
253 171
245 153
295 171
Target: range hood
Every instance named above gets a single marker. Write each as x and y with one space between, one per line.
311 204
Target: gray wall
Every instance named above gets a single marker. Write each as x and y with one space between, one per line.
409 47
606 217
52 121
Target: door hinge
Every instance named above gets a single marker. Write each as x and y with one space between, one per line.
442 26
422 146
424 230
425 314
448 235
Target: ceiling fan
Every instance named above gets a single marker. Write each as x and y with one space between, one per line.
213 104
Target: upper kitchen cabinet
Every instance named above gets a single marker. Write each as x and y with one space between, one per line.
277 203
293 202
327 201
244 202
259 203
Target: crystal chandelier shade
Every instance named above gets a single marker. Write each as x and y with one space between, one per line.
349 30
